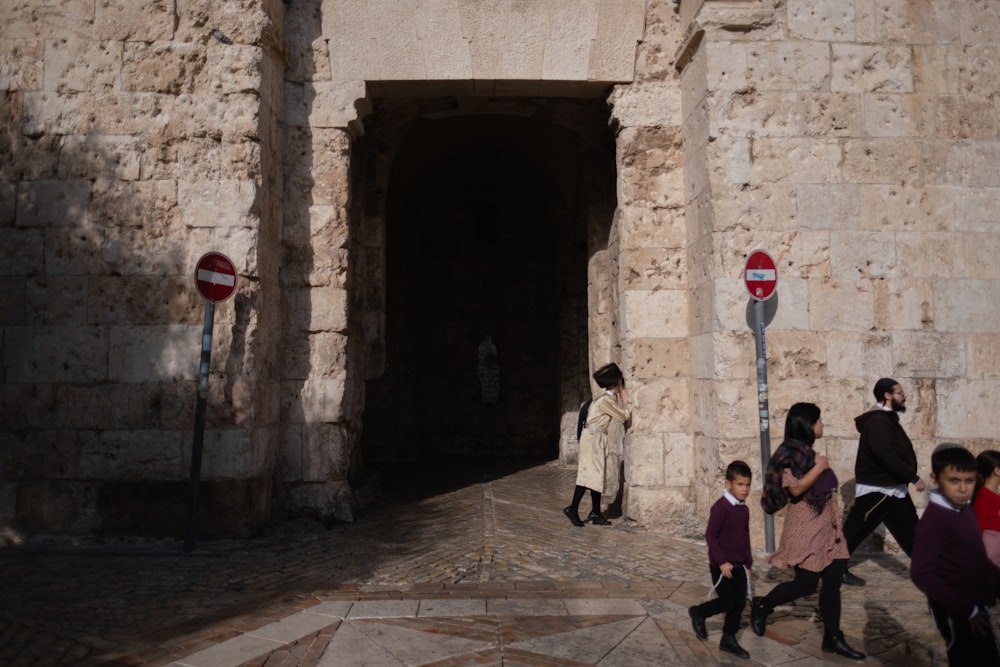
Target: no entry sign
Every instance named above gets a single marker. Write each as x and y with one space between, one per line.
760 276
215 277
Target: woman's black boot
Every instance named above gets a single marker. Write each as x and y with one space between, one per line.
836 644
758 617
574 518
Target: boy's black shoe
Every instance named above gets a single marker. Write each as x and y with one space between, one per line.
758 617
574 519
698 623
729 644
836 644
598 519
852 579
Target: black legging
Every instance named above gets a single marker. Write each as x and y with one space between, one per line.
595 499
805 583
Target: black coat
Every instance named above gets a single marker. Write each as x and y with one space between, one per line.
885 453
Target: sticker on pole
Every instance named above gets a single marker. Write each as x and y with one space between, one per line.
215 277
760 276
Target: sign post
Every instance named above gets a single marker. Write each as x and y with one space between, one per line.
215 279
760 275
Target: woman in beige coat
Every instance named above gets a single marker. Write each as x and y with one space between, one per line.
608 416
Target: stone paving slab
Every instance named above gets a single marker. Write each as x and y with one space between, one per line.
489 573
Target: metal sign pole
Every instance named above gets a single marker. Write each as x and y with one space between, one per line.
199 427
762 407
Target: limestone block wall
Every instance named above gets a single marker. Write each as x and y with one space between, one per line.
133 141
853 141
653 277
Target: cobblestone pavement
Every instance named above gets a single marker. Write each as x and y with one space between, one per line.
488 573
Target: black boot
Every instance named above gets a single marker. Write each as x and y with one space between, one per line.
758 616
729 644
573 516
598 519
698 623
836 644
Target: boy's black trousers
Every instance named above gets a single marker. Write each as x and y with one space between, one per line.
964 647
732 598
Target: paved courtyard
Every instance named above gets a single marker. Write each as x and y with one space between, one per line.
482 571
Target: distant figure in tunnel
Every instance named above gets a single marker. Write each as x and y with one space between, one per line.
608 417
488 371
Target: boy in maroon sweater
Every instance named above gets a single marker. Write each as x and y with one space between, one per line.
729 559
949 562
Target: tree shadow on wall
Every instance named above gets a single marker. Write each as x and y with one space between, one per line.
102 325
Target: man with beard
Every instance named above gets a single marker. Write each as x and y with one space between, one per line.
885 465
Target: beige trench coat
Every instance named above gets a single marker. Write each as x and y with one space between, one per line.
606 419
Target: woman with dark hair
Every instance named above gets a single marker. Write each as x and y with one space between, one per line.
812 539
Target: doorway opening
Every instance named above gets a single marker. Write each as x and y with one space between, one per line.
490 219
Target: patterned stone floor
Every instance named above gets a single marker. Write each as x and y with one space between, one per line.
486 571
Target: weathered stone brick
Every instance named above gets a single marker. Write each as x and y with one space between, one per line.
131 455
862 254
853 354
55 300
900 115
929 354
929 255
101 156
881 161
23 250
827 206
802 66
77 65
22 64
984 356
865 68
68 353
904 304
952 314
930 208
128 21
796 160
51 203
163 67
841 304
52 20
827 20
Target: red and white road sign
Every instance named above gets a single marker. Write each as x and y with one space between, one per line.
760 276
215 277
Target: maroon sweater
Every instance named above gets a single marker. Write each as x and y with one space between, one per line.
728 534
949 563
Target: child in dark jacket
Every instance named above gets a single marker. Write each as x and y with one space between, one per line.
949 563
729 559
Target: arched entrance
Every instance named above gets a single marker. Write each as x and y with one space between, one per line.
486 235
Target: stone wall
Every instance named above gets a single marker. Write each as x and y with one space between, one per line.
133 141
853 141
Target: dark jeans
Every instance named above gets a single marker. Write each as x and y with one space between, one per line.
871 509
731 601
964 647
805 583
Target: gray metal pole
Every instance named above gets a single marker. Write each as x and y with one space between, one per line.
762 407
199 427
